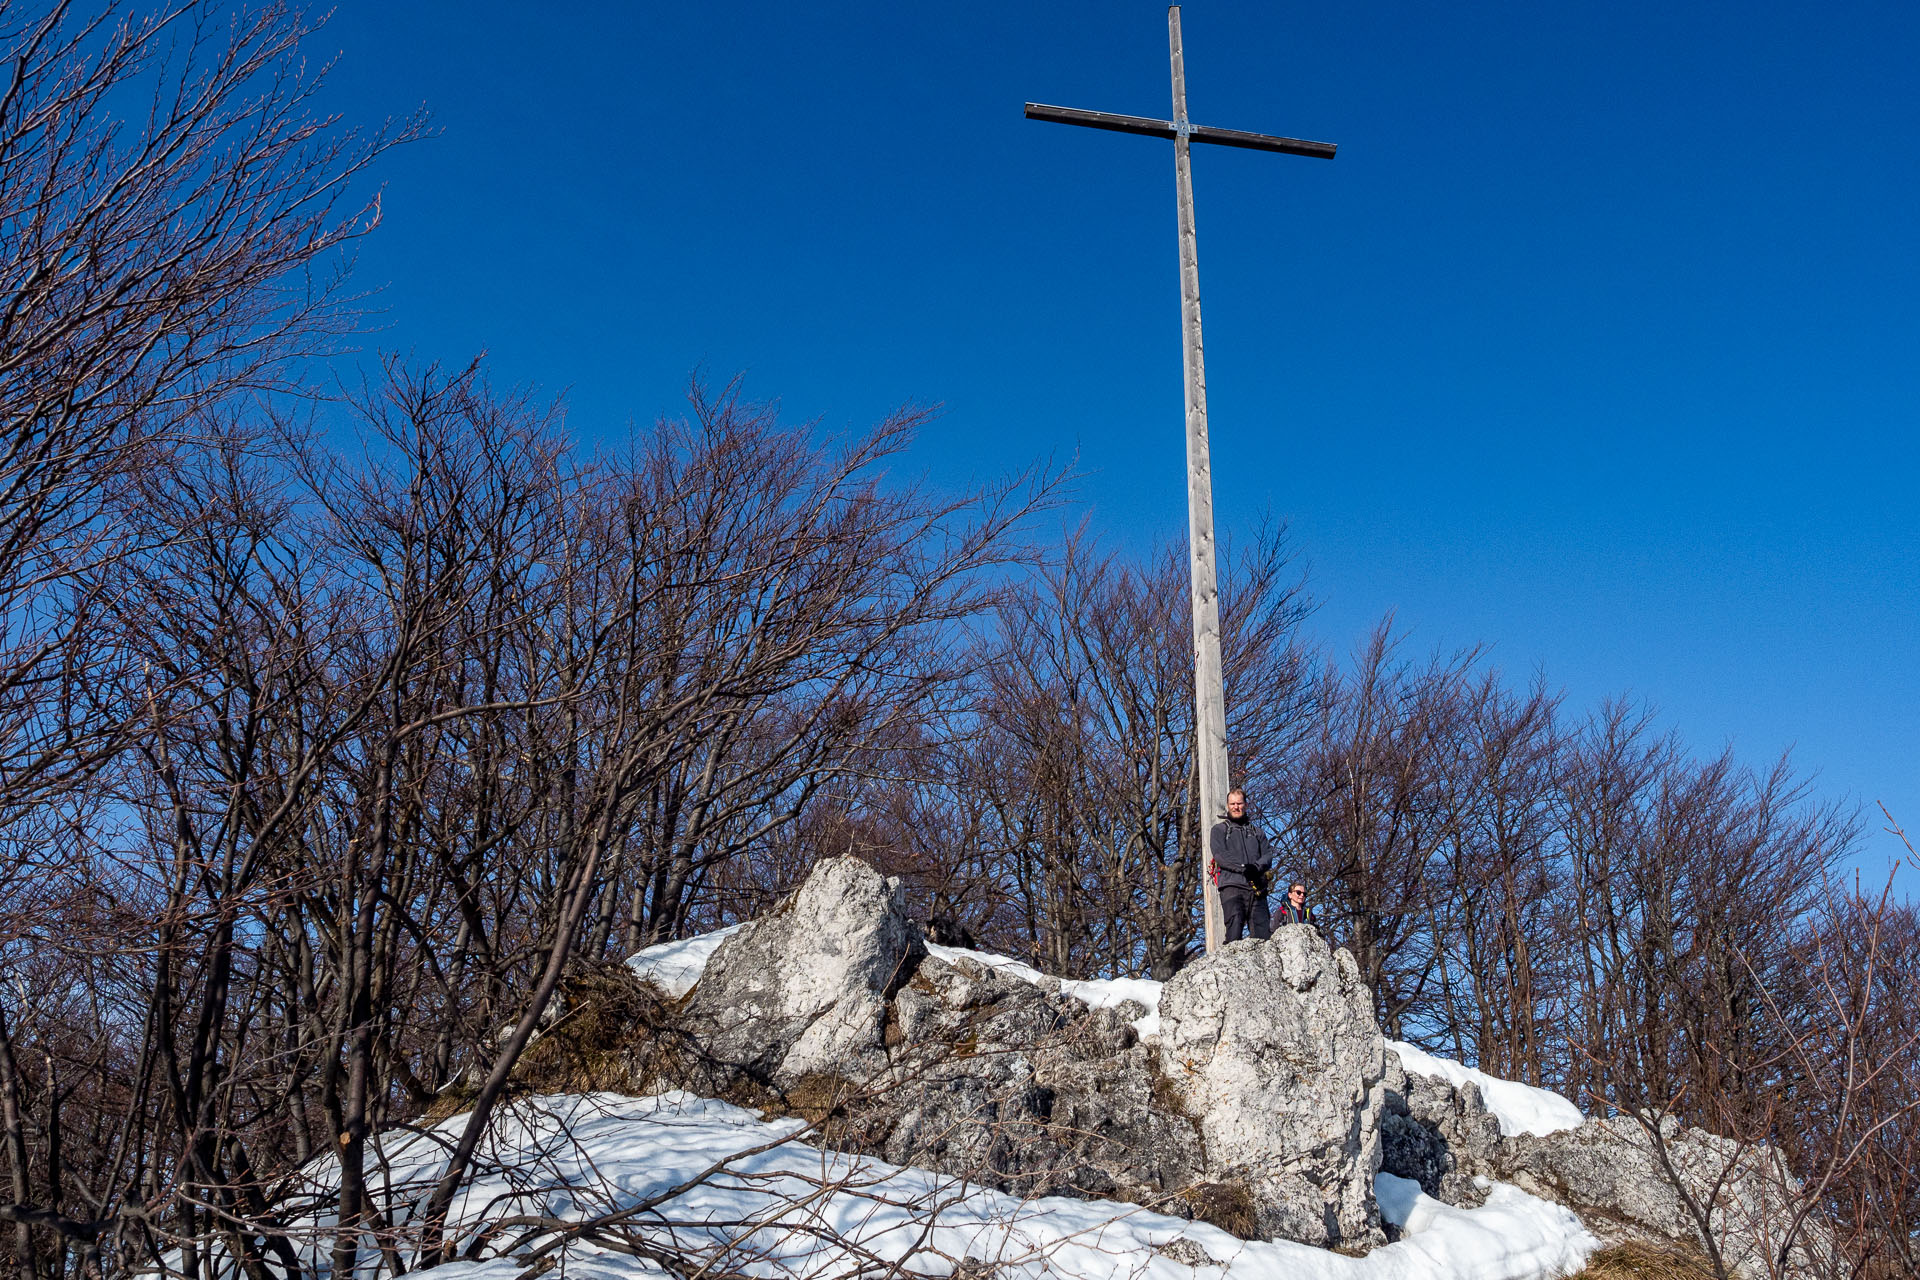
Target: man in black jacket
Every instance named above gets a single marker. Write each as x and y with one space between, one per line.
1242 861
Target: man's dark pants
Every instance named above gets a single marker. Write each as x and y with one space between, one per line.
1246 911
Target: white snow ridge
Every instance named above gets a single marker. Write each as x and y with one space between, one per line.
1520 1108
675 966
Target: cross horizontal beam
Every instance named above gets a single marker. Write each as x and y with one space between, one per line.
1166 129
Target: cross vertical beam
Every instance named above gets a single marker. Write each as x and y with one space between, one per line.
1209 689
1209 693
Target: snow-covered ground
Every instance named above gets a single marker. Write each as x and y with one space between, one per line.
730 1194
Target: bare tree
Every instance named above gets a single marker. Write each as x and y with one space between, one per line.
151 265
176 210
1492 912
1846 1105
1371 816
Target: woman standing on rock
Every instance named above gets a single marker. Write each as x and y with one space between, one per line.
1294 908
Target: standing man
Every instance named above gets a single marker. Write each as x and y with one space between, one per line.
1242 860
1295 909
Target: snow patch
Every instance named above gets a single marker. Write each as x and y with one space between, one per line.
1398 1197
1095 993
674 967
1512 1234
1520 1108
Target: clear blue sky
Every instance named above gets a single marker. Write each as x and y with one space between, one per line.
1597 343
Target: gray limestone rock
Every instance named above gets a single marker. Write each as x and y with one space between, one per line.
1019 1088
1610 1172
1626 1181
1188 1253
1440 1135
804 991
1273 1047
833 1005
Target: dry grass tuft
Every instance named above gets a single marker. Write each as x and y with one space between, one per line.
1226 1205
449 1102
831 1103
1645 1260
590 1048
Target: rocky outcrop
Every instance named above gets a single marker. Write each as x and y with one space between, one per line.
1265 1105
1258 1110
1020 1088
1273 1048
832 1008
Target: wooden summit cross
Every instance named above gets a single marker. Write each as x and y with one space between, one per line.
1209 693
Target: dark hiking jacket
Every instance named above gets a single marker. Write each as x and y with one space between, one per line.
1287 914
1238 849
